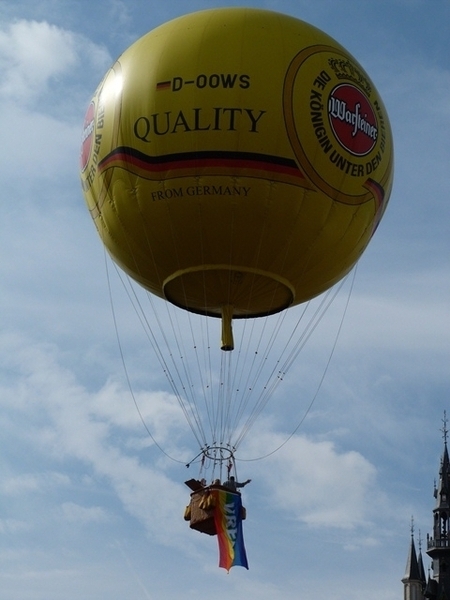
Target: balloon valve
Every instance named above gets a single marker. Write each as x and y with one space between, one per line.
227 342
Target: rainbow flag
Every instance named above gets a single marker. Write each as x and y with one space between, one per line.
228 521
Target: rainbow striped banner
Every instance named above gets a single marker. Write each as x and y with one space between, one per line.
228 521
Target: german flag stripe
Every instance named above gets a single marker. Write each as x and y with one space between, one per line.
211 161
163 85
377 190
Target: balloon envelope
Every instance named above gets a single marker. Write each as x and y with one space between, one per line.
236 161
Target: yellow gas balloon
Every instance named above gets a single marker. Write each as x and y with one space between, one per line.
236 162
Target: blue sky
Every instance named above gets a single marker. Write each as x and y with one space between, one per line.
89 508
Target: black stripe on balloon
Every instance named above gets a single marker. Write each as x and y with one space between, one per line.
205 158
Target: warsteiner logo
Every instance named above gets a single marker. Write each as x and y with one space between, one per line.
352 119
336 126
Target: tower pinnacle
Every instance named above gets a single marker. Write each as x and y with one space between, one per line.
444 428
437 586
438 545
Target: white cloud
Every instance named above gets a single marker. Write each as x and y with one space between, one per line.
32 482
400 323
369 542
71 424
37 146
31 54
19 484
83 514
35 54
160 411
320 485
12 526
43 69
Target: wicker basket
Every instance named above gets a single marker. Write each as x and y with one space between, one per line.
202 512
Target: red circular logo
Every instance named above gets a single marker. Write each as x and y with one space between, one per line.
352 119
88 136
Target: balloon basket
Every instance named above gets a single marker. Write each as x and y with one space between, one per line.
200 511
201 519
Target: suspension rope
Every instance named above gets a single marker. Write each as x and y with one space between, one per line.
319 386
193 421
227 417
273 382
220 398
127 376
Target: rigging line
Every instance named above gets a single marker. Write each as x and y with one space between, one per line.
158 352
203 368
202 351
231 379
186 365
150 254
323 308
222 405
142 317
260 358
193 406
300 344
319 310
194 460
320 382
188 387
126 370
271 383
239 359
256 356
228 370
231 398
206 355
218 432
226 359
205 372
238 351
277 329
242 391
156 348
257 364
174 317
224 398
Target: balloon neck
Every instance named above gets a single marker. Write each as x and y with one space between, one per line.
227 342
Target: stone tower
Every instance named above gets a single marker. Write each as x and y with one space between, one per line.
414 581
438 545
416 587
